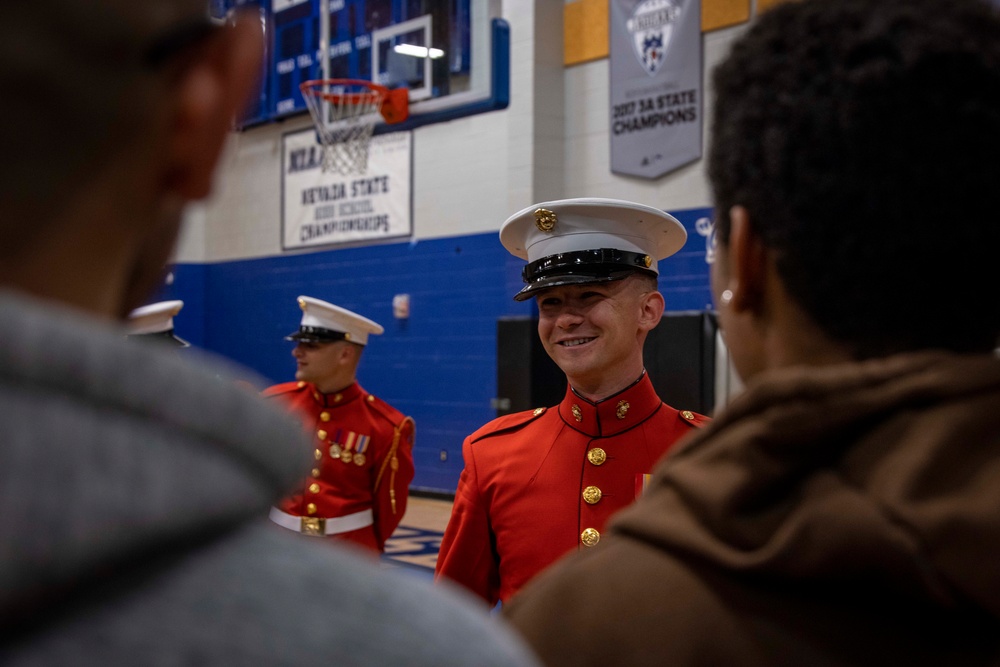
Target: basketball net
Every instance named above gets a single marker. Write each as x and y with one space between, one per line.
345 112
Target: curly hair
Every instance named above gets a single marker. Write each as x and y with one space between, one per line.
863 138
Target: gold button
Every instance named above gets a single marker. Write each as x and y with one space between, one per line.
597 456
590 537
301 384
324 416
538 411
311 509
316 395
622 409
314 488
337 397
592 495
315 472
371 398
318 454
321 434
577 413
687 414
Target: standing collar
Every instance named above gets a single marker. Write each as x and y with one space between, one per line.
614 414
336 398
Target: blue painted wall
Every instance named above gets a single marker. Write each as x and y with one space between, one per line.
439 366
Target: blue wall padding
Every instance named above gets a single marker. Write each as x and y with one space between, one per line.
439 366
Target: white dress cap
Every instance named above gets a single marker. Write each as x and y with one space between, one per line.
154 318
156 321
560 240
320 319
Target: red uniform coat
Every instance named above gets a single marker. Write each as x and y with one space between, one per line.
541 483
350 420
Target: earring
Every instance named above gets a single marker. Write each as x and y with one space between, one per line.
726 297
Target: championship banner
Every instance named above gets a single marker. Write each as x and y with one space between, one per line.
324 208
656 104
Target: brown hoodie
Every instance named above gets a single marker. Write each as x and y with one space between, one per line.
844 515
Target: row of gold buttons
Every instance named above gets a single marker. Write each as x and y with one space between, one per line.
592 495
318 454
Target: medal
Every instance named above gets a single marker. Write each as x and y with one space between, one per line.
345 455
335 444
359 458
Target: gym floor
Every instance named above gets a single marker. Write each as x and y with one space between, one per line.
416 542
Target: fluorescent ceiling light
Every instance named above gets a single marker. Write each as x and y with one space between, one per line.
417 51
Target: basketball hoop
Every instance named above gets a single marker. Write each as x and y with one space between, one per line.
345 112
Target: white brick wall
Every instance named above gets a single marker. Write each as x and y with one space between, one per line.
471 173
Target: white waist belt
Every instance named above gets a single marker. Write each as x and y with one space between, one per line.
310 525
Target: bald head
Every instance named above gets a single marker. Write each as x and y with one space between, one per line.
78 91
115 115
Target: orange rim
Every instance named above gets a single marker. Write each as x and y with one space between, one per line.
395 104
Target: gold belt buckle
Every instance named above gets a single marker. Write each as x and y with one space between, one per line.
313 525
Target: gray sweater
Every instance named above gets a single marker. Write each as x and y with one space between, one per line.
134 486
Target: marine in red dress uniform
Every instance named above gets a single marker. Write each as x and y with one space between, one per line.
541 483
359 484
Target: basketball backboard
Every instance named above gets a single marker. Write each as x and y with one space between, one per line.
452 55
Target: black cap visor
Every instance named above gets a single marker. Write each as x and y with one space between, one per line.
163 336
528 291
581 268
316 335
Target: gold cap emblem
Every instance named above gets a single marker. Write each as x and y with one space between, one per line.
622 409
597 456
590 537
545 220
577 413
302 304
648 261
592 495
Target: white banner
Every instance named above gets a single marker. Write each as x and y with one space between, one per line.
655 62
320 209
